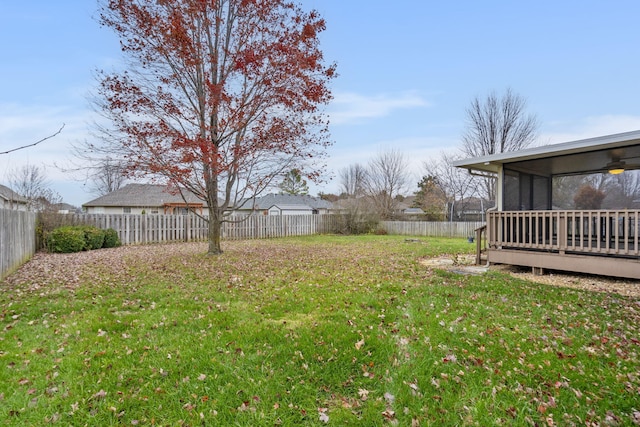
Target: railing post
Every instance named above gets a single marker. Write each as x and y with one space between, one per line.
562 232
479 232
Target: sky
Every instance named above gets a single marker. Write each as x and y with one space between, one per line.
408 70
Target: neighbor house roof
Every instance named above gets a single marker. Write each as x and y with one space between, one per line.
142 195
292 207
8 194
575 157
286 201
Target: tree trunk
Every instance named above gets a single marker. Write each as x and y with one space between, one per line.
215 232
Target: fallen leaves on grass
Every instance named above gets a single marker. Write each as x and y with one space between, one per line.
290 323
322 415
99 395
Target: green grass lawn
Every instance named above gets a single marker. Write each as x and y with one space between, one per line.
318 330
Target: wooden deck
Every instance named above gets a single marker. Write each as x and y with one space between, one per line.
605 242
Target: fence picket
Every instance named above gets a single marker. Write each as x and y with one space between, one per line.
17 239
431 228
18 229
142 229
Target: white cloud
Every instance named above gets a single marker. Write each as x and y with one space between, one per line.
589 127
350 107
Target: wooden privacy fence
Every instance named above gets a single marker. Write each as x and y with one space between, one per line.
141 229
18 229
17 239
268 226
432 228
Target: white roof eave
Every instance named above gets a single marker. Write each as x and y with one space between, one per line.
492 163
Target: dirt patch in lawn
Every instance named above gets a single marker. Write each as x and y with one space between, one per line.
464 264
461 264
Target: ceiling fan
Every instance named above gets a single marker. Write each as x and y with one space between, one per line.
617 165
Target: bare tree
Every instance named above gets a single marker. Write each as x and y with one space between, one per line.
497 125
97 166
352 180
564 188
455 183
387 176
31 183
622 191
110 177
625 189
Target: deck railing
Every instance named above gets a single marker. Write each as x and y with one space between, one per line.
606 232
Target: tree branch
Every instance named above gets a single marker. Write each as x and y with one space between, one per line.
35 143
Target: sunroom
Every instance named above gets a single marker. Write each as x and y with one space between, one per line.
573 206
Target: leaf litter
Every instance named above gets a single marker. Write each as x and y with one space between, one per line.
379 298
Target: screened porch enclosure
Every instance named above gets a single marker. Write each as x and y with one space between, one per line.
526 192
541 223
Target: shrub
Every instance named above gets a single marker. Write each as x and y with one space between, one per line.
355 222
66 240
49 221
111 239
93 237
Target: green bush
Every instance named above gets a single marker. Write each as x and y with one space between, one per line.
66 240
77 238
111 239
93 237
49 221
